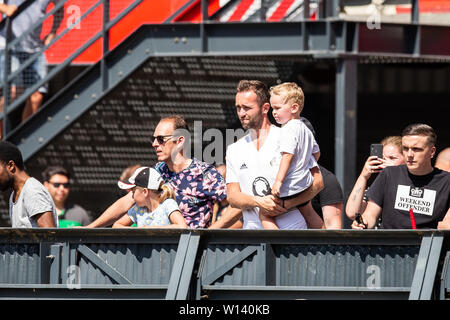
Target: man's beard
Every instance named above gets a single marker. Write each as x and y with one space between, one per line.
6 185
254 123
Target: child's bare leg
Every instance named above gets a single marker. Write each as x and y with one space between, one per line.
312 219
266 221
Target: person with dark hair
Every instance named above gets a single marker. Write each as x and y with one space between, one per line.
415 195
30 204
253 161
197 185
125 175
329 202
57 181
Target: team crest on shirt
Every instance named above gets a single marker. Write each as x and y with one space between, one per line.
261 187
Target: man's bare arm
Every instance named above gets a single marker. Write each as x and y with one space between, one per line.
45 220
238 199
370 216
227 219
114 212
332 215
445 223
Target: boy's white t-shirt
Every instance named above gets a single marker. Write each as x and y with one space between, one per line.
295 138
255 171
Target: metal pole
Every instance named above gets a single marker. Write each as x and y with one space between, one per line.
415 11
205 10
263 11
321 14
333 8
306 9
7 70
105 36
205 18
345 130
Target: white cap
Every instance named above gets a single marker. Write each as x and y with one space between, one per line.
144 177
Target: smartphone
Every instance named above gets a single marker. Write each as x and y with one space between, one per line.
376 149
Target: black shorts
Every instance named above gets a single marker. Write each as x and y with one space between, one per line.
293 196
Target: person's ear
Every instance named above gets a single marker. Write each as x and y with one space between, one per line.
295 107
433 152
11 166
265 108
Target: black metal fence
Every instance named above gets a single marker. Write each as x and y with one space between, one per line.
223 264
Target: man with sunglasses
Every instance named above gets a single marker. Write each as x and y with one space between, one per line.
57 181
30 204
197 185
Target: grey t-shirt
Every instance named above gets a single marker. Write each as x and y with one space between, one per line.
25 21
33 199
76 213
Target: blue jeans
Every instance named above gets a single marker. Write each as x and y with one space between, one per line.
34 72
15 63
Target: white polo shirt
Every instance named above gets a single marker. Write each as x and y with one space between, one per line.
255 171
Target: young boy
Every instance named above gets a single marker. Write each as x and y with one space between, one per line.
297 145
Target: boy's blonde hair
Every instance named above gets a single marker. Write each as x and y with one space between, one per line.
290 92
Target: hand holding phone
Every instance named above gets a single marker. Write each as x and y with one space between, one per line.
358 223
376 149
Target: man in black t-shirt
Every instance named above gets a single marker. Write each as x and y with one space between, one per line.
414 195
329 202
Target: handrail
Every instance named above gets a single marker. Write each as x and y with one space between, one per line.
106 26
214 263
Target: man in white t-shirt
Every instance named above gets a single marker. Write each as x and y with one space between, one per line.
252 164
30 204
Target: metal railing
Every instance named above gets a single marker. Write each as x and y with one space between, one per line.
11 45
223 264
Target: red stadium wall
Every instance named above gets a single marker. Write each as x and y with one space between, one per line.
150 12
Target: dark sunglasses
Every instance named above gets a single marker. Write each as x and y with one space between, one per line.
57 184
161 139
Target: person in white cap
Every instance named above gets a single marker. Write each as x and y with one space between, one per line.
197 185
156 205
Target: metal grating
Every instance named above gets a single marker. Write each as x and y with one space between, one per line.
141 263
248 272
19 263
333 265
315 265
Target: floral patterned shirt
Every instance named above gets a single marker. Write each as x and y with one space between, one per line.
197 188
